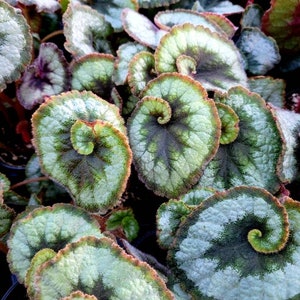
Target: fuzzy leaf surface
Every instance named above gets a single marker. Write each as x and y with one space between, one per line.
96 179
46 227
169 18
289 122
218 64
174 125
101 268
252 16
140 71
85 30
258 63
93 72
236 240
125 53
254 156
270 89
16 44
141 29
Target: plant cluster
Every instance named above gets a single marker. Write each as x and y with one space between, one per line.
190 100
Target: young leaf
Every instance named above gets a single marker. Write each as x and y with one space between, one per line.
168 217
101 268
140 71
125 53
217 62
93 72
82 144
230 123
85 30
235 241
125 220
254 156
16 44
281 22
258 62
141 29
170 214
174 125
46 227
111 10
270 89
46 76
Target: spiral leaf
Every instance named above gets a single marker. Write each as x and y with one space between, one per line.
125 220
46 227
140 71
98 267
176 125
254 156
125 53
171 213
235 241
81 141
16 44
217 61
230 123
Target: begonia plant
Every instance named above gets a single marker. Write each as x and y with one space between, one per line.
160 149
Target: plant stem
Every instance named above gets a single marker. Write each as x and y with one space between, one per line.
27 181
